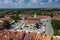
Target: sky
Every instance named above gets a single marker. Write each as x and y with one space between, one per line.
29 3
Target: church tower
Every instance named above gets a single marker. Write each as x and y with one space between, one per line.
35 15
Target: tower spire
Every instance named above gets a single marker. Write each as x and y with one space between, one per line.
35 15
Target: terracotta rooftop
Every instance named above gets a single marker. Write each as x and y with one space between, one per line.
47 37
38 37
26 36
7 18
42 16
21 15
9 35
1 22
20 35
32 21
54 38
57 17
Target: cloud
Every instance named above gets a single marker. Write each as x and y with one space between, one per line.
56 0
50 1
29 4
32 2
7 1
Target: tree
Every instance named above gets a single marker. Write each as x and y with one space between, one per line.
6 25
2 15
37 25
51 15
56 24
56 27
15 17
55 32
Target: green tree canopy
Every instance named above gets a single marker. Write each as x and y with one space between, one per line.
56 24
15 17
6 25
2 15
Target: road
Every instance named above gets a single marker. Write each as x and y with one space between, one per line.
49 29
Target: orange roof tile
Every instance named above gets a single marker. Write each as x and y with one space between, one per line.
5 39
32 21
21 15
54 39
20 35
47 37
1 37
57 17
12 35
26 36
40 16
38 37
32 35
7 18
1 22
16 38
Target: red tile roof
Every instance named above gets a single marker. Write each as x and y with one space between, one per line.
33 35
21 15
38 37
42 16
26 36
12 35
32 21
57 17
47 37
54 38
1 37
7 18
1 22
5 39
19 36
